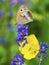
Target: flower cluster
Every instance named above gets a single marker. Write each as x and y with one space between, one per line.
14 2
43 47
22 31
42 53
18 60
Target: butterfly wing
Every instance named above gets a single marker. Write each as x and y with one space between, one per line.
24 16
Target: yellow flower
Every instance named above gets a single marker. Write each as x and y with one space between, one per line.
31 49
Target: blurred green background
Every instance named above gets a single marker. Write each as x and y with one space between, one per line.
40 27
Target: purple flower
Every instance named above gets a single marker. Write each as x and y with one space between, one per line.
1 13
19 37
13 2
43 47
21 1
3 40
25 30
11 28
19 28
22 31
42 53
42 56
18 60
1 0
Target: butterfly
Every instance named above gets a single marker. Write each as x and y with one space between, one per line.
24 15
